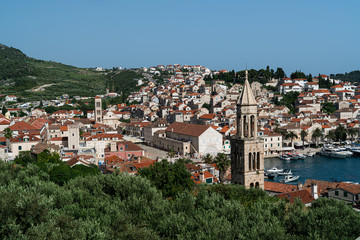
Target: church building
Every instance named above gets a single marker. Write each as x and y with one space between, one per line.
247 150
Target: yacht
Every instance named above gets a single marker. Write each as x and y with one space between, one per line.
274 170
354 150
289 178
285 157
310 154
333 152
285 172
299 156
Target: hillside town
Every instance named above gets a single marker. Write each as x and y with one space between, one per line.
190 114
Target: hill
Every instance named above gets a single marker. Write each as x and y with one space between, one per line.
353 76
36 79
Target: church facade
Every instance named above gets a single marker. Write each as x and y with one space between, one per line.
247 150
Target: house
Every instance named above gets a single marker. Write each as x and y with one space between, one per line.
10 98
275 188
348 192
23 142
124 149
204 177
187 138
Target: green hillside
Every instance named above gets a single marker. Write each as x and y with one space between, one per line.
25 76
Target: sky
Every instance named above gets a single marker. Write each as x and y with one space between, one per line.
312 36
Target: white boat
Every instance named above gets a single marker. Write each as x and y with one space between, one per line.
285 157
274 170
333 152
289 178
310 154
355 150
299 156
285 172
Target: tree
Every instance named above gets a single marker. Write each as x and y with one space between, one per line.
317 134
170 178
328 107
298 74
331 135
222 163
171 153
207 158
4 110
280 73
353 132
8 135
303 135
291 136
340 133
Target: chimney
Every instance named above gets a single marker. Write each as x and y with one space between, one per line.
300 186
314 191
202 177
113 147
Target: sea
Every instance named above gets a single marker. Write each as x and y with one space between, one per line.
319 168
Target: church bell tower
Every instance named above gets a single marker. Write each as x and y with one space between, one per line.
247 151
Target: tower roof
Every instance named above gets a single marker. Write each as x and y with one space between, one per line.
247 96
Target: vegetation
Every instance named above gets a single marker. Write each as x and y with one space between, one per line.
328 107
353 76
51 164
289 100
222 163
21 75
303 135
316 135
170 178
123 82
291 136
129 207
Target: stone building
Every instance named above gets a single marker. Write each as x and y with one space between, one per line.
98 110
247 150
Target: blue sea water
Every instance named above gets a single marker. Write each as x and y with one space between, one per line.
319 168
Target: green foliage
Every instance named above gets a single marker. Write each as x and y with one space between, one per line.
170 178
298 74
123 82
50 163
206 105
328 107
340 133
130 207
353 76
324 83
222 163
19 74
8 133
289 100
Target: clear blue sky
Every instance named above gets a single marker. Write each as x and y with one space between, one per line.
312 36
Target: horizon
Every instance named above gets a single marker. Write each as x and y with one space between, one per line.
230 35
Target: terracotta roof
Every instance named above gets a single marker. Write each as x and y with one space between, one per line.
187 128
279 187
21 138
20 126
303 195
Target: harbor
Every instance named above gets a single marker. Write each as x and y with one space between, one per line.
317 167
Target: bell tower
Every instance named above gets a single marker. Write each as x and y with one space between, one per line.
247 151
98 110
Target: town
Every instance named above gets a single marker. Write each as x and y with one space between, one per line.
194 113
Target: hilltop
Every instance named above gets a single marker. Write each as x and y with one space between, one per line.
37 79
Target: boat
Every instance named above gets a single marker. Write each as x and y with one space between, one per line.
354 150
270 175
285 172
310 154
299 156
285 157
274 170
333 152
289 178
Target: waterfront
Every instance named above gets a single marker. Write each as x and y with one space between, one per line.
319 168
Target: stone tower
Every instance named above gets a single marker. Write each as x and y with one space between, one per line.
74 137
98 110
247 151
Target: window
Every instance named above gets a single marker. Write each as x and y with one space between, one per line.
345 194
19 148
336 193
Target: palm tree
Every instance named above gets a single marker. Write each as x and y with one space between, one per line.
353 132
208 158
317 134
8 135
331 135
291 136
171 153
303 135
222 163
